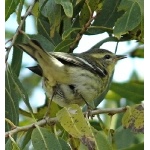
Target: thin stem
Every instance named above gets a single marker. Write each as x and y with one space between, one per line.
84 29
13 39
33 125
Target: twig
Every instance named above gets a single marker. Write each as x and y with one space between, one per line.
26 128
51 121
110 111
13 39
84 28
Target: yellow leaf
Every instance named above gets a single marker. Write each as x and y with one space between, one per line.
134 118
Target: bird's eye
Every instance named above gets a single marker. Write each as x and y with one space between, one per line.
107 56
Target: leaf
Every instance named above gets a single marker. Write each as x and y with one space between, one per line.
73 121
35 10
17 55
87 11
107 17
67 6
43 139
64 144
132 91
101 140
123 138
43 109
138 52
134 118
131 18
8 144
43 26
26 138
67 33
10 7
12 98
135 147
64 46
77 6
14 91
44 42
14 144
52 11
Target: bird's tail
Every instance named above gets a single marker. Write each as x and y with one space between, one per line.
51 67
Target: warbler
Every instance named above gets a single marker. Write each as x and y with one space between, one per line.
72 78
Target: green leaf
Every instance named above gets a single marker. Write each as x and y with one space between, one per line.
66 24
131 18
43 109
43 26
88 8
123 138
52 11
138 52
17 55
107 17
64 46
134 118
135 147
43 139
11 98
8 144
35 10
20 7
16 60
133 91
14 144
64 144
77 6
102 141
44 42
67 33
10 7
26 138
67 6
14 91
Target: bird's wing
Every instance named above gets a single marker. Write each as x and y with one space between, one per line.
79 61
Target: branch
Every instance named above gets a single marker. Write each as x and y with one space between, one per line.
33 125
110 111
52 121
83 30
13 39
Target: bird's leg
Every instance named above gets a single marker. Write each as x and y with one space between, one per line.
50 101
89 109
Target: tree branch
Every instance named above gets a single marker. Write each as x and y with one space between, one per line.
13 39
42 122
52 121
84 29
110 111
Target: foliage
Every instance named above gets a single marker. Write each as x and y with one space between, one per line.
60 26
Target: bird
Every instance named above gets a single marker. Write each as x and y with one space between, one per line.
72 78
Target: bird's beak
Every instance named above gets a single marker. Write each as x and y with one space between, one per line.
118 57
